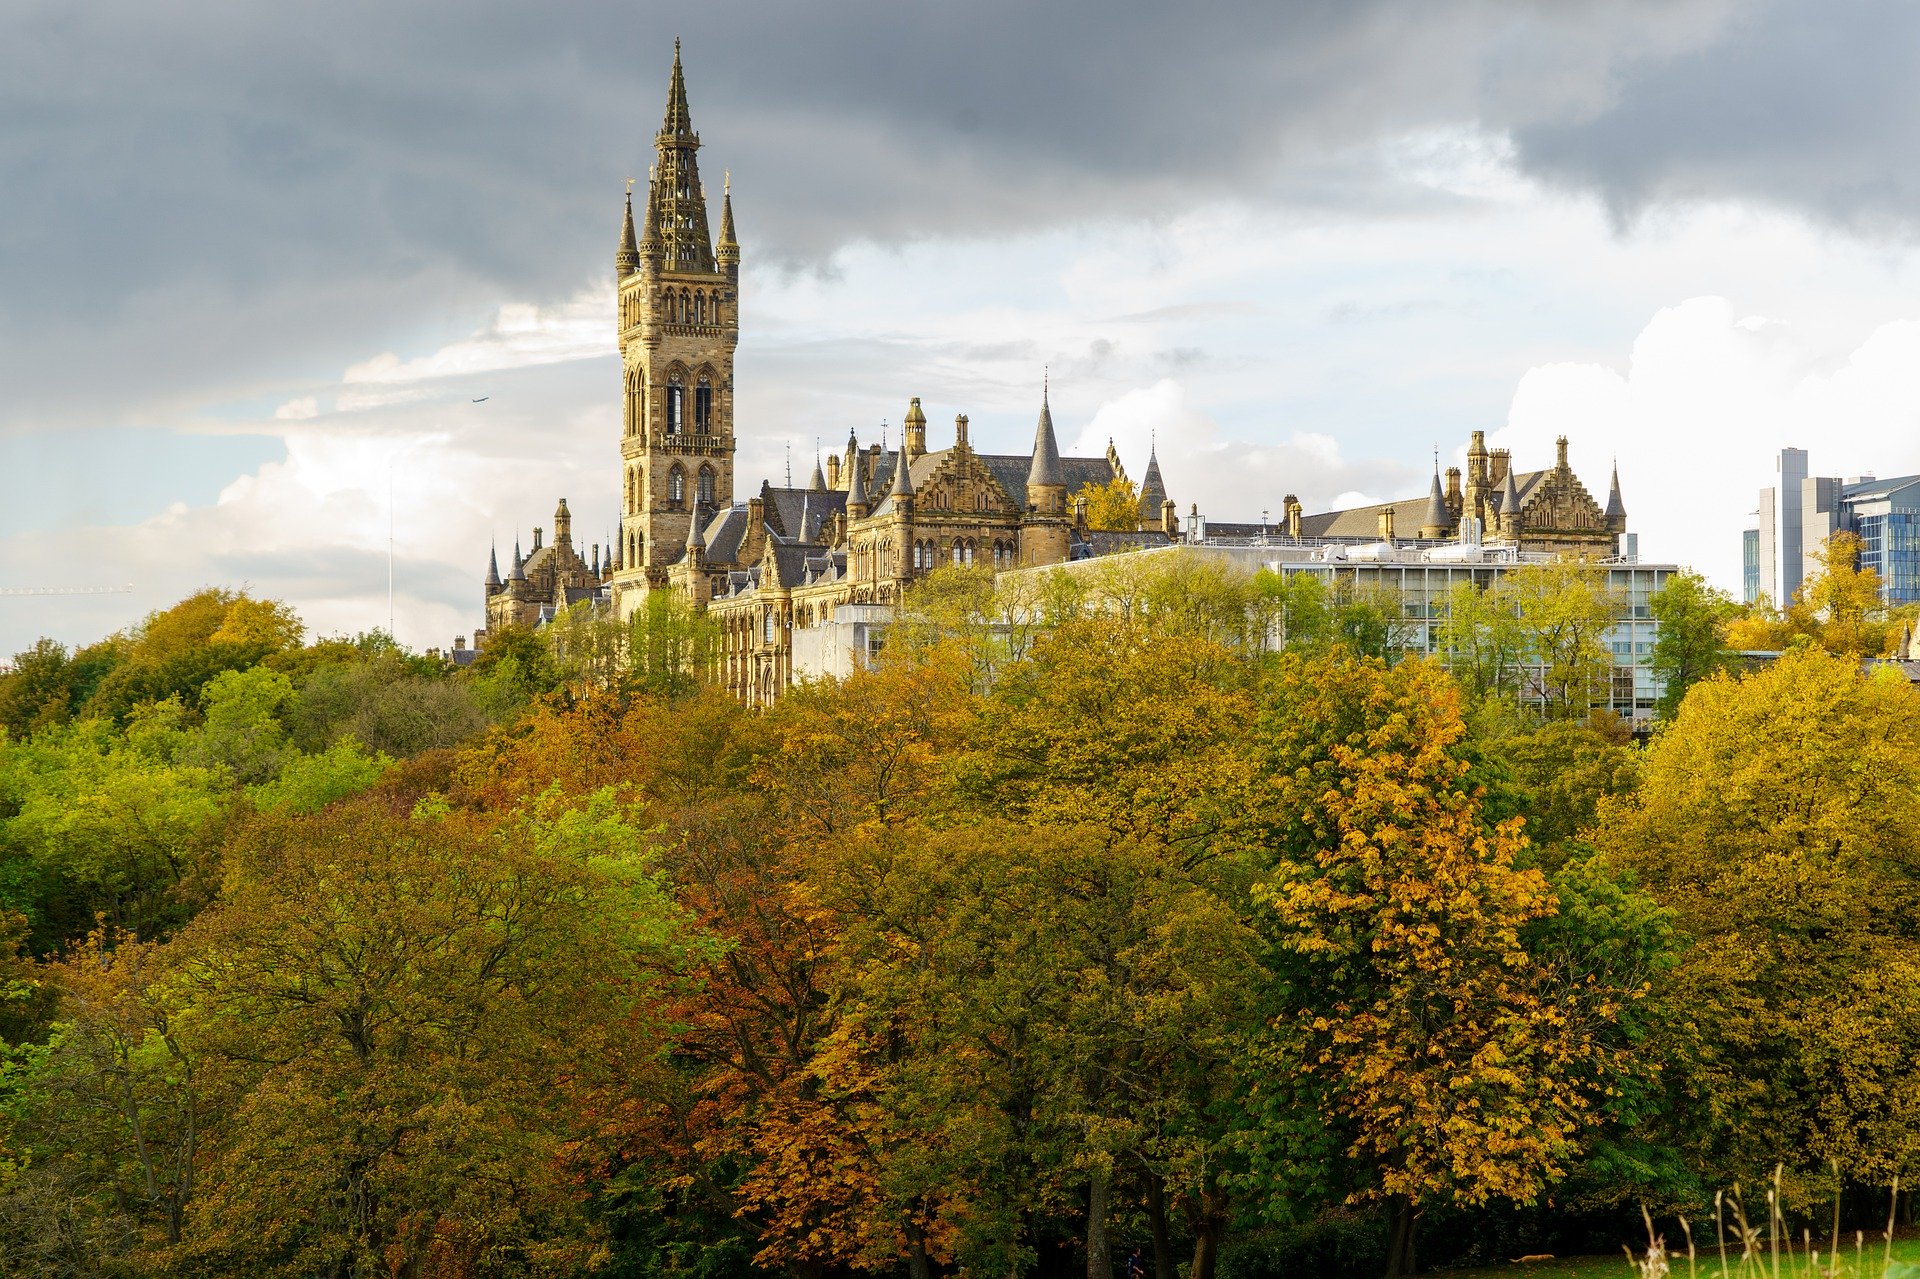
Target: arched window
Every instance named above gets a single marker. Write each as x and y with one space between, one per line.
703 405
705 486
700 308
769 626
969 552
676 404
676 485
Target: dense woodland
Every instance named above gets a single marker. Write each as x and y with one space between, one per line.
1085 922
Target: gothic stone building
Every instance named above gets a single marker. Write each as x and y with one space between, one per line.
788 562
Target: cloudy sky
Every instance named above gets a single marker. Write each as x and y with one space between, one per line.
258 261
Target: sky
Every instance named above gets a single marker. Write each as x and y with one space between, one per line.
291 297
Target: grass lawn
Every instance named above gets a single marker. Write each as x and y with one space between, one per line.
1707 1266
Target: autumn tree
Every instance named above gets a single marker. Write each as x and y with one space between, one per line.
1777 818
1113 506
1483 643
1415 1051
402 1021
1563 609
1691 644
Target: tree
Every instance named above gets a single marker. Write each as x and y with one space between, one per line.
1483 640
1562 610
1113 506
1693 617
1778 818
406 1024
1845 599
1406 1014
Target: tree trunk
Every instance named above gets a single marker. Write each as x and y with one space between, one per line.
1207 1218
1099 1250
1157 1222
1400 1220
918 1265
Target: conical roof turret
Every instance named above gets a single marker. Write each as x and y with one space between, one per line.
626 259
1433 522
817 482
1046 468
1510 500
519 573
493 566
696 535
1616 509
902 475
856 478
1153 489
727 252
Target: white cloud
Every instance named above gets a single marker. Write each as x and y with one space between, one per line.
1707 398
520 335
1230 479
298 410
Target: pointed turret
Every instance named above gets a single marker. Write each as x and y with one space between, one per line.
1046 471
493 569
1153 489
1510 506
651 247
727 252
626 259
696 538
857 505
1045 535
1616 509
1433 524
902 486
817 482
519 573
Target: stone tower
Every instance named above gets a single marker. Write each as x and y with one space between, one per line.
1045 535
679 320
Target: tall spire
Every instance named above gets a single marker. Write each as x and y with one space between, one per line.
1510 503
696 536
493 566
679 121
1616 509
678 211
519 573
626 259
1046 467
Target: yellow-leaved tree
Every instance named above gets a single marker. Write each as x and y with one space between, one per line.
1416 1051
1778 818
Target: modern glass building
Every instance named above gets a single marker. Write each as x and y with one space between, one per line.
1798 516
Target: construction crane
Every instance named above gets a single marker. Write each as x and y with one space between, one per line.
67 590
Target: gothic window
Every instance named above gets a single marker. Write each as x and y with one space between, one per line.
705 485
676 405
969 552
676 485
686 307
703 405
768 632
700 309
959 550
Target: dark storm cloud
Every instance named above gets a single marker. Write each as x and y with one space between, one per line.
208 199
1802 106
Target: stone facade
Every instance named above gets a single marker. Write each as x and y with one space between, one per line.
803 570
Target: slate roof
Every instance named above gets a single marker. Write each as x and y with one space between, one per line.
1364 521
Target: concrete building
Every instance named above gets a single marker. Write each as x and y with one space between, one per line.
1420 575
1800 512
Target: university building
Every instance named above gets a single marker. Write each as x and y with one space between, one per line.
802 580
